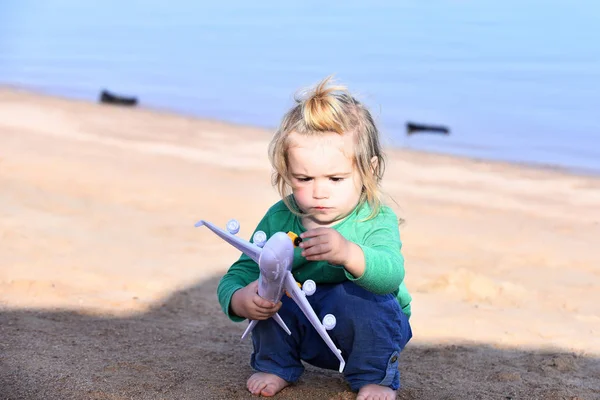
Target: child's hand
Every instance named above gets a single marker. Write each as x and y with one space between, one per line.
325 244
248 304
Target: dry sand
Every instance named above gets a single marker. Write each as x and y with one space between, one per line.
108 292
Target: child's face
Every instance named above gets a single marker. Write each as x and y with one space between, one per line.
325 182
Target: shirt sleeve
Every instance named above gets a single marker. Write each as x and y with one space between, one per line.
384 262
239 275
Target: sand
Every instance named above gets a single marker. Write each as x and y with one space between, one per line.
107 291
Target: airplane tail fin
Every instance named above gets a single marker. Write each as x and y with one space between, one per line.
281 323
251 250
251 326
276 317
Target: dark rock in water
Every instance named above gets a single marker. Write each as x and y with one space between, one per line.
111 98
412 128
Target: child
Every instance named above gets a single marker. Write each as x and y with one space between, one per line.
328 166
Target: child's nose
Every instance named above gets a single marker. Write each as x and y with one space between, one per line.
320 191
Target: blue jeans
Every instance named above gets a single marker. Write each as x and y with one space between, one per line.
371 331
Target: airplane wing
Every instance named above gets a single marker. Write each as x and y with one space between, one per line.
251 250
300 298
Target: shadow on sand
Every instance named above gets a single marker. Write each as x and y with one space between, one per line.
187 349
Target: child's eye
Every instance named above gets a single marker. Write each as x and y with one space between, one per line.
336 179
304 179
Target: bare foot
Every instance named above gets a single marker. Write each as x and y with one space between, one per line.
376 392
265 384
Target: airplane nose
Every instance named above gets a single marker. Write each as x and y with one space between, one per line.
276 256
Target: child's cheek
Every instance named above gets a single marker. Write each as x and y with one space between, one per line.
302 195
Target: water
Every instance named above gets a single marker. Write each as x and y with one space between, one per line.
515 81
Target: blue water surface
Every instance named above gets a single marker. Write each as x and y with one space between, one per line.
515 81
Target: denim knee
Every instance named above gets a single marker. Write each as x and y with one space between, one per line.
372 330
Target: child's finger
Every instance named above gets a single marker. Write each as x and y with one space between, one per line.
263 303
257 315
313 241
313 232
315 250
264 313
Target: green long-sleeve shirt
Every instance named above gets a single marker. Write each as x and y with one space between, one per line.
379 239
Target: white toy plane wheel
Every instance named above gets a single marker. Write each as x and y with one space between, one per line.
329 321
259 238
309 287
233 226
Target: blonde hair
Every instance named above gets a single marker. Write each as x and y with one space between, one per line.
327 109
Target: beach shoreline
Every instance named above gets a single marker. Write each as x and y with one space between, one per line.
554 168
107 291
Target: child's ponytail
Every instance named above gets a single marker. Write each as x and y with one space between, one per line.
323 110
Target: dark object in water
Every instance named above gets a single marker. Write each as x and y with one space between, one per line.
412 128
111 98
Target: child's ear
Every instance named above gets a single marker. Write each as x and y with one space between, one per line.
374 163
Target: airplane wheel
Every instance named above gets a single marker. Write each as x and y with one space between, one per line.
309 287
259 238
233 226
329 321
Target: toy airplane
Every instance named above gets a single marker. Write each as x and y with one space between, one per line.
274 258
